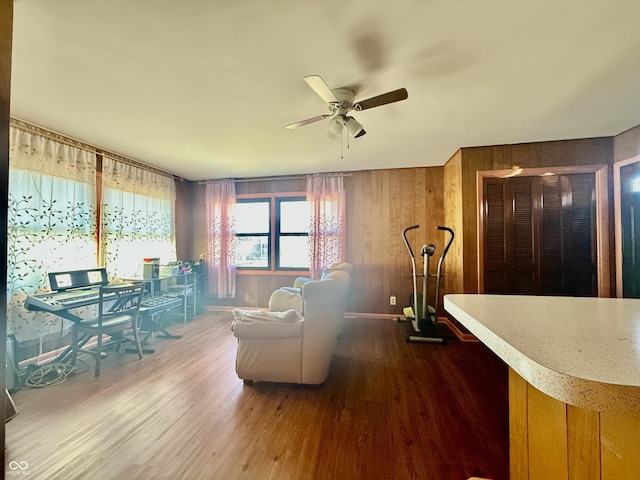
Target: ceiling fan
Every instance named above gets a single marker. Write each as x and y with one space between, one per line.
341 101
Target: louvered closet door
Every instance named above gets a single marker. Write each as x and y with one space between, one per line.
496 194
510 261
568 236
539 235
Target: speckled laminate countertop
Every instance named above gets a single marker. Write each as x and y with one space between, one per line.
582 351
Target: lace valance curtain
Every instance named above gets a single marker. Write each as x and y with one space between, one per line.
51 223
327 201
221 240
137 218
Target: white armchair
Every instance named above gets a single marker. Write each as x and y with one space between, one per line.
294 341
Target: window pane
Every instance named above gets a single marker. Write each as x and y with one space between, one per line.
135 226
252 251
294 252
294 216
252 217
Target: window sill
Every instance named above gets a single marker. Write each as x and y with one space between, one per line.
292 273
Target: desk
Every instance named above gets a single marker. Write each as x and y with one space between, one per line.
574 380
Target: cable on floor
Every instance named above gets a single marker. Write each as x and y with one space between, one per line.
39 376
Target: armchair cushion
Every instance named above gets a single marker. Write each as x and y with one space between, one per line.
300 281
344 266
286 298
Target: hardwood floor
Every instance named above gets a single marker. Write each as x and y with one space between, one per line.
389 410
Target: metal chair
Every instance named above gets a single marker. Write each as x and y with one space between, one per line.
118 309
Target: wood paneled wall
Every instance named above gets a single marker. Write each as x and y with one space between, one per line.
453 213
185 221
627 144
380 204
467 161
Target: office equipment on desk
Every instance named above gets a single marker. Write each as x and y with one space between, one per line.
151 268
169 269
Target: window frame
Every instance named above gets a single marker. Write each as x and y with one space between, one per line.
278 234
268 235
274 199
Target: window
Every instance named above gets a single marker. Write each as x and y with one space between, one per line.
253 232
137 215
72 208
272 233
292 226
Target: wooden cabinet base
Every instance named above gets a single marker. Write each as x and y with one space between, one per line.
549 439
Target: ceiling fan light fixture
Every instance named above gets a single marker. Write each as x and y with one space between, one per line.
354 128
336 124
333 135
340 102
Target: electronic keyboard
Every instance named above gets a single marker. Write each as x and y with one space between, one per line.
64 300
54 302
160 303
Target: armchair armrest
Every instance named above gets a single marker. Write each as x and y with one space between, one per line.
300 281
263 324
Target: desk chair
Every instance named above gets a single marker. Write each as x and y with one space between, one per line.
118 308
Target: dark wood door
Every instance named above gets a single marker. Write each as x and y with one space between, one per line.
539 235
510 249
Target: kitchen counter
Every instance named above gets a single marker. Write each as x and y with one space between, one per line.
582 351
574 380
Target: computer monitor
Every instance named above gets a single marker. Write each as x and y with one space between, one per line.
91 277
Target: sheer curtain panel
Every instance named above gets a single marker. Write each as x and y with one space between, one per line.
221 238
137 218
327 202
51 223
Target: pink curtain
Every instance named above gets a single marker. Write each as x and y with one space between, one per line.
327 199
220 261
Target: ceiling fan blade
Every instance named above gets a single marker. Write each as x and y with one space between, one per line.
302 123
321 88
389 97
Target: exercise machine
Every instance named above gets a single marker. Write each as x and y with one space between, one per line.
423 317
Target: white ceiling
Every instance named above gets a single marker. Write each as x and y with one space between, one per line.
204 89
